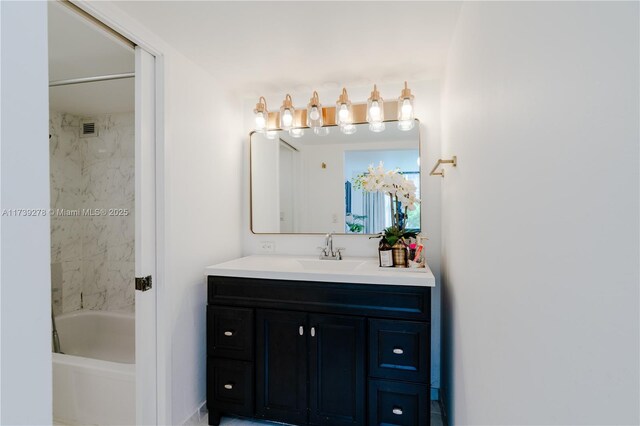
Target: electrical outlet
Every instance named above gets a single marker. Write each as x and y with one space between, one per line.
267 246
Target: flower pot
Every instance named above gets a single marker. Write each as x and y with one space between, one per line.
400 255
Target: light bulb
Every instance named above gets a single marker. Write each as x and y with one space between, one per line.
374 111
343 113
407 108
287 112
296 133
261 122
261 115
287 118
348 129
314 114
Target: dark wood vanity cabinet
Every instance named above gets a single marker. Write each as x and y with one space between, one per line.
310 367
318 353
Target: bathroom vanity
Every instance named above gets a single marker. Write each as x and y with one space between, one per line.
304 341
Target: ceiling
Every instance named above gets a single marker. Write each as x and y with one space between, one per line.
78 48
274 47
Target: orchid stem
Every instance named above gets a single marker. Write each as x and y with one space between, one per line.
397 215
404 223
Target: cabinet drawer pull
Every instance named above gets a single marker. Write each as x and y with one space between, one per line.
229 333
228 386
313 332
301 330
397 411
398 351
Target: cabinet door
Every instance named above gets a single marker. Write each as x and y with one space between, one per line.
281 366
337 370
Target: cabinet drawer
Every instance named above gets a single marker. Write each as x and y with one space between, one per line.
399 350
230 332
230 386
397 403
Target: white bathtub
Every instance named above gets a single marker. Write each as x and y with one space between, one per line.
94 380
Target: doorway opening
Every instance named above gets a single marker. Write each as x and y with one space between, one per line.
102 130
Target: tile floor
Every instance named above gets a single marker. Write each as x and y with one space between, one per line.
436 419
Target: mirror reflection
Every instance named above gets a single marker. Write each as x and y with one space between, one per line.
309 183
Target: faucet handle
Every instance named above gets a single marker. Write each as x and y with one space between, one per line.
339 251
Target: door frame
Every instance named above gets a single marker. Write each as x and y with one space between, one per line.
119 22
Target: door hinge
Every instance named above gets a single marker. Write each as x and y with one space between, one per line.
143 283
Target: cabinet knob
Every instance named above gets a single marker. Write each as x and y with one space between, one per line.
398 351
301 330
397 411
228 386
228 333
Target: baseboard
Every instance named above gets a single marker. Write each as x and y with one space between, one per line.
198 417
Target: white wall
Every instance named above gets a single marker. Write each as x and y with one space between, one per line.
25 339
427 104
540 218
203 187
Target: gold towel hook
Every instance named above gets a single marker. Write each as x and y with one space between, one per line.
453 162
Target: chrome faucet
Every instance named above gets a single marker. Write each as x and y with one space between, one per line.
327 252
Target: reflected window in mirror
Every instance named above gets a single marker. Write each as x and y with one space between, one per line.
370 212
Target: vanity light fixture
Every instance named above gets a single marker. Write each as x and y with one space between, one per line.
314 113
344 114
375 111
405 109
261 115
319 119
287 113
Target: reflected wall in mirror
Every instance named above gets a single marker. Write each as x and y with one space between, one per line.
306 184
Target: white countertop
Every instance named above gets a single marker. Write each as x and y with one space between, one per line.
360 270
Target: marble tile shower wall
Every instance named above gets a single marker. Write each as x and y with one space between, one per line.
92 256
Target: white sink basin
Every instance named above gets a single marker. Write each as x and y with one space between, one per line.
330 265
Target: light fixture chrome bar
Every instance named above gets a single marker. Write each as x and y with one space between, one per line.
91 79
